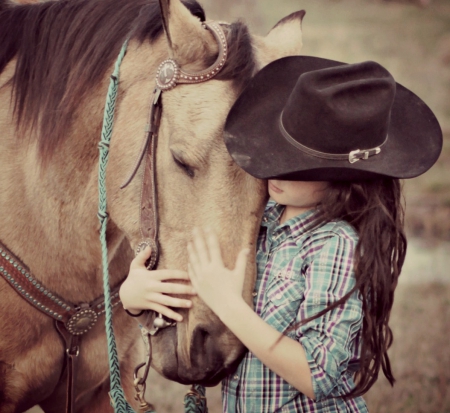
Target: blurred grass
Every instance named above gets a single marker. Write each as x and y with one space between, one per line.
420 354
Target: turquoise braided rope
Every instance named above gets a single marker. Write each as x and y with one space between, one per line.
119 402
192 404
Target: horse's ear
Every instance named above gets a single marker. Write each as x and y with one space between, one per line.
188 39
285 39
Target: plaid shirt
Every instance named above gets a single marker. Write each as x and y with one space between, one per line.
300 272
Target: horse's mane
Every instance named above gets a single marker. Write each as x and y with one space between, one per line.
63 49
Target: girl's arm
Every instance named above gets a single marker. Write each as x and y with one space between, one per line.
148 290
221 289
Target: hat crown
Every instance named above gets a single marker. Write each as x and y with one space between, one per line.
314 119
340 109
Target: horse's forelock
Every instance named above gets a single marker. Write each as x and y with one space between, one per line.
63 49
241 64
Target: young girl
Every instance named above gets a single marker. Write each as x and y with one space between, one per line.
332 140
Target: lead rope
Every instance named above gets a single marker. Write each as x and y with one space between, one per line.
195 400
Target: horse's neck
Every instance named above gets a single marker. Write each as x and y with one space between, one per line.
48 217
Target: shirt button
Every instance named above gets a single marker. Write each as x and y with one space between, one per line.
236 377
254 293
279 296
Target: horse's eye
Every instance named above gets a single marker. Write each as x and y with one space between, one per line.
185 168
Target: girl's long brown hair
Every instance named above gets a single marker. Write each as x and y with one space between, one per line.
374 208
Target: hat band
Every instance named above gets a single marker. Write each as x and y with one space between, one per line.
352 156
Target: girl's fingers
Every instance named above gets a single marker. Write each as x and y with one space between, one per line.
194 263
165 311
241 261
192 275
200 247
163 275
172 288
168 301
139 260
213 245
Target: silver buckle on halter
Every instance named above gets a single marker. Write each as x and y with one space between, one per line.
160 323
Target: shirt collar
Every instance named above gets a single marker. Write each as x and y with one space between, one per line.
296 226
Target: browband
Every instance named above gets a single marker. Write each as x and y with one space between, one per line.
169 74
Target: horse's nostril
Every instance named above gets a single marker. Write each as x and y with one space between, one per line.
205 353
201 338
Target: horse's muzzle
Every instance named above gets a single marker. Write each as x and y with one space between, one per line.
209 360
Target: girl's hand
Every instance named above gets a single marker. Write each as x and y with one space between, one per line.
147 290
215 284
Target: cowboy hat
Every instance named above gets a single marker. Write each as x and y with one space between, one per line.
308 118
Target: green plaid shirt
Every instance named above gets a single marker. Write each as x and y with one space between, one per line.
300 272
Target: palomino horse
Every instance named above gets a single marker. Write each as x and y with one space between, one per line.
55 62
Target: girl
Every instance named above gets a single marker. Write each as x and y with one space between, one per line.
331 244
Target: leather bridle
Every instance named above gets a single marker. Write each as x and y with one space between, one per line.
168 76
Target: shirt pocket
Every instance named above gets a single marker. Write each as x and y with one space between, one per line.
283 298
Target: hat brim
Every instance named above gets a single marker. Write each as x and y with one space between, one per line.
254 141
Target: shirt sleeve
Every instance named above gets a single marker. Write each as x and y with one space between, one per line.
330 340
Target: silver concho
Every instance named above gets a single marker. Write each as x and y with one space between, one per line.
81 322
167 75
153 258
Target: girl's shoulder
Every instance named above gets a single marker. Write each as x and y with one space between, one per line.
330 236
335 228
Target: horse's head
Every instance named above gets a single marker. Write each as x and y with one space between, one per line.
198 184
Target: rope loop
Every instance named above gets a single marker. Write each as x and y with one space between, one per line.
102 215
103 145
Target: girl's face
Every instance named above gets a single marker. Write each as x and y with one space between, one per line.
298 196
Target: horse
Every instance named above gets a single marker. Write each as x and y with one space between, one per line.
55 64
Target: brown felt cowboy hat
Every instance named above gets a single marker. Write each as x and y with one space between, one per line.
307 118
